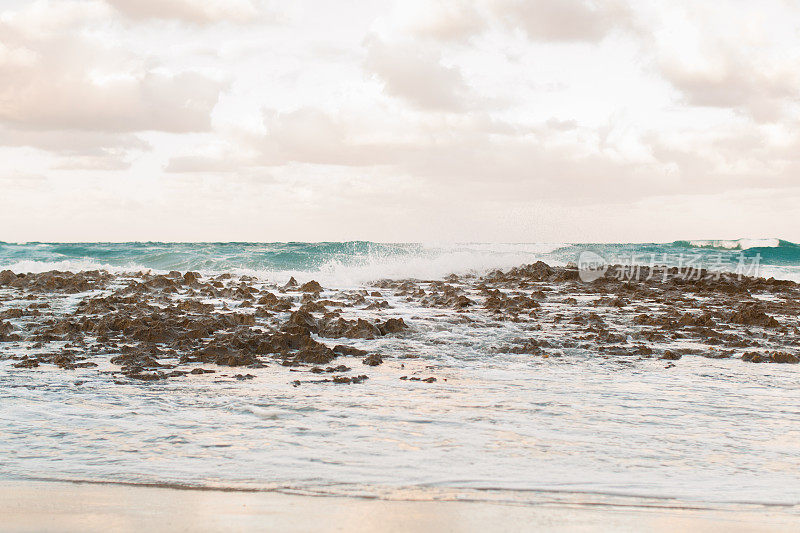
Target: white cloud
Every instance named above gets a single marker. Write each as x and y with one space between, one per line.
564 20
416 75
444 20
192 11
58 78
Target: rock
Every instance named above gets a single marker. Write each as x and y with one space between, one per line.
352 329
373 360
346 379
670 356
349 350
771 357
752 314
12 313
753 357
393 325
783 357
315 355
291 283
191 277
6 277
304 320
330 369
311 286
461 301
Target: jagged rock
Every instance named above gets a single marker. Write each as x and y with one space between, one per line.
373 360
352 329
393 325
6 277
191 277
752 314
349 350
311 286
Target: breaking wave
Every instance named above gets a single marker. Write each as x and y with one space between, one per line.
333 263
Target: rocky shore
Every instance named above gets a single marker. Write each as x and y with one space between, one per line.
150 327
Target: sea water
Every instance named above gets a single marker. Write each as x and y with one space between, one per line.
707 433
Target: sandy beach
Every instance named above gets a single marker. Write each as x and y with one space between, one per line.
65 507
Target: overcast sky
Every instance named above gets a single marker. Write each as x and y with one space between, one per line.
492 120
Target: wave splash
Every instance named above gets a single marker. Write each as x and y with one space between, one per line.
738 244
334 264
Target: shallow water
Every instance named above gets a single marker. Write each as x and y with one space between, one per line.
712 431
708 431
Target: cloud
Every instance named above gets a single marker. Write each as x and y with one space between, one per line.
736 82
493 159
564 20
71 141
192 11
53 76
416 75
442 20
218 164
744 60
78 149
21 181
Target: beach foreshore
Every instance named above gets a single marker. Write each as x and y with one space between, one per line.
68 506
149 325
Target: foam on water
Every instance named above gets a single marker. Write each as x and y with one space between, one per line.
737 244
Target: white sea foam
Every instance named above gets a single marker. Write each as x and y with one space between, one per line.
737 244
432 262
70 265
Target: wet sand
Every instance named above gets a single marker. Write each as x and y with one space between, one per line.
59 506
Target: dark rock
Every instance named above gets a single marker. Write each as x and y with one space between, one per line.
317 354
27 363
783 357
303 319
349 350
191 278
346 379
6 277
373 360
393 325
311 286
352 329
752 314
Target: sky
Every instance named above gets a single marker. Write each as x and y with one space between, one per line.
485 120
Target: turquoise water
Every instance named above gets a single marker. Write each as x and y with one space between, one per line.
355 262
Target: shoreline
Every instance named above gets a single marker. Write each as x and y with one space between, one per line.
81 506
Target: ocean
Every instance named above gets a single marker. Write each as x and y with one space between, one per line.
582 426
342 264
